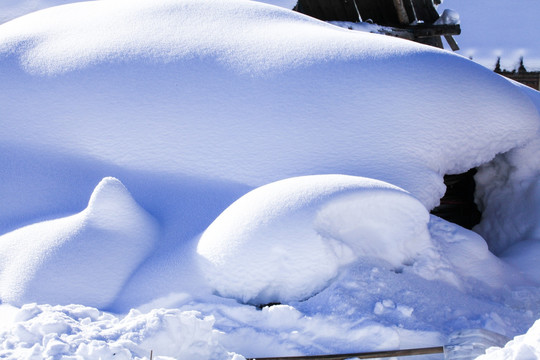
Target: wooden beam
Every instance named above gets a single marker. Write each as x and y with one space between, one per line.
453 44
365 355
401 12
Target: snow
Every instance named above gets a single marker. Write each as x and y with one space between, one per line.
258 156
448 17
78 332
509 194
287 240
526 346
55 261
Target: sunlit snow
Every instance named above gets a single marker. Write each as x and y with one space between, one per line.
237 154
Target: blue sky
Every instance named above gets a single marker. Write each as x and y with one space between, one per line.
505 28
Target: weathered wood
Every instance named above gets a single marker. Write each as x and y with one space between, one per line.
364 355
329 10
401 12
423 30
453 44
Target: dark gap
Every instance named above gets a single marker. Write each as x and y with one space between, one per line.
457 204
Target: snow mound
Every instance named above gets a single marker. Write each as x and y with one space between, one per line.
523 347
83 258
286 240
196 87
86 333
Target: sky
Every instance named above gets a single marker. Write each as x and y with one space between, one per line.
505 28
509 29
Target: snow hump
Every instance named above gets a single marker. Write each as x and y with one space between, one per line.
83 258
286 240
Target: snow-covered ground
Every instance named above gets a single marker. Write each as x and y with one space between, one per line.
170 167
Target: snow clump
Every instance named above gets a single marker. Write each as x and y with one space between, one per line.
286 240
80 258
523 347
80 332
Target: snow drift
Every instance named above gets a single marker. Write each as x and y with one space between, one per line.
81 258
180 107
194 103
171 93
286 240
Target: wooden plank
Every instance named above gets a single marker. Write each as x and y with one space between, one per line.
329 10
401 12
453 44
364 355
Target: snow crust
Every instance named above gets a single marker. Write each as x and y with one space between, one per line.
79 332
81 258
286 240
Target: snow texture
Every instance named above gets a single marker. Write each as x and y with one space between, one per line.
81 258
522 347
79 332
509 195
286 240
238 118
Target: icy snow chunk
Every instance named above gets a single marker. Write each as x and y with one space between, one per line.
83 258
525 346
286 240
169 333
448 17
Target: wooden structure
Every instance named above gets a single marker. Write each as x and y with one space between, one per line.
365 355
410 19
521 75
457 205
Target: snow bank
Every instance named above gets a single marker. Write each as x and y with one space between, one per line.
508 192
167 92
192 104
84 258
78 332
10 9
196 102
523 347
286 240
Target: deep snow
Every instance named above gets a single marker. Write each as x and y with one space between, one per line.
192 105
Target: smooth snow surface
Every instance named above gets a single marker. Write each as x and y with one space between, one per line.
230 104
81 258
286 240
196 104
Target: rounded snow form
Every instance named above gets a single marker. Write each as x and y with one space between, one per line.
287 240
84 258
